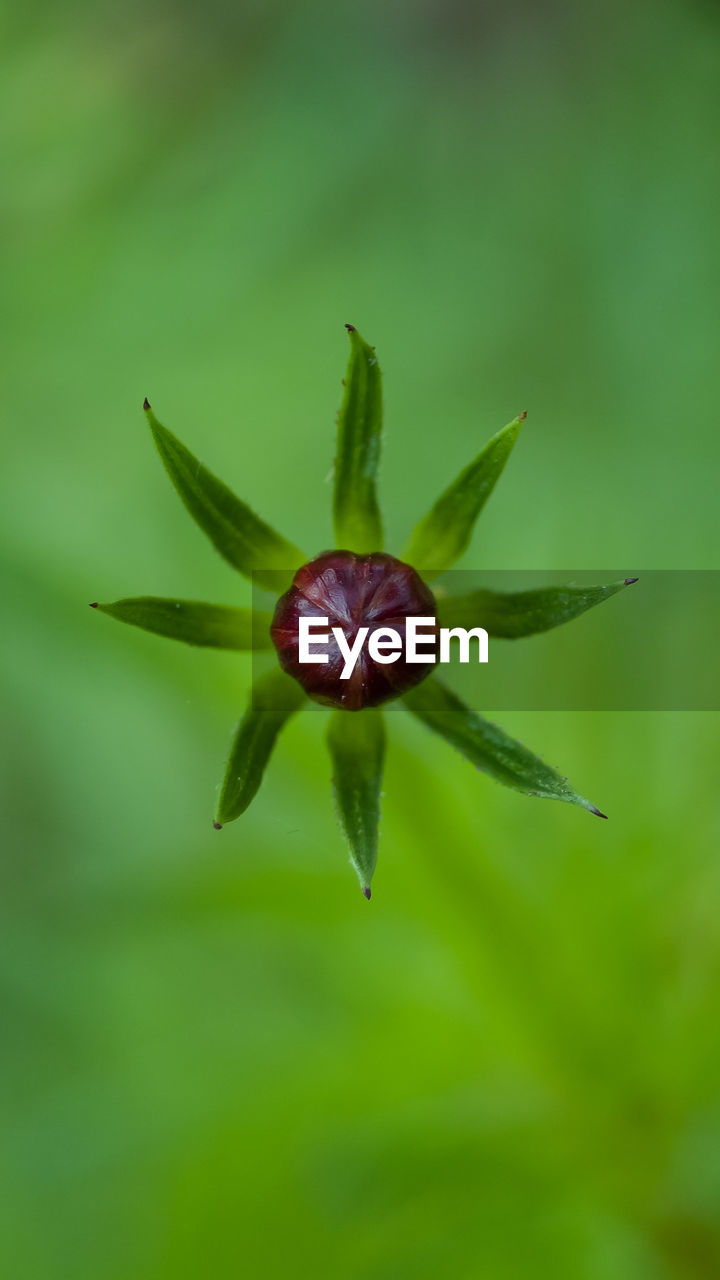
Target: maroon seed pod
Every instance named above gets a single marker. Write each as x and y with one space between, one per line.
353 591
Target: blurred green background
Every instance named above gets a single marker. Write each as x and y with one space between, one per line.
217 1058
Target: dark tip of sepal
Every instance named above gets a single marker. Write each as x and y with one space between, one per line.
146 404
367 892
217 826
598 812
522 416
94 604
629 581
350 328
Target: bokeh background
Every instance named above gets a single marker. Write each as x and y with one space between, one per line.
217 1058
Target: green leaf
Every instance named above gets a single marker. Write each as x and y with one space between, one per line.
442 536
245 541
214 625
488 747
358 526
273 699
357 746
510 615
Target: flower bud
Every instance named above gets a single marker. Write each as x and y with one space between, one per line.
352 592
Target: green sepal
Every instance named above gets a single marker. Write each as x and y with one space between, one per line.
214 626
510 615
488 747
444 533
356 740
358 526
246 542
273 699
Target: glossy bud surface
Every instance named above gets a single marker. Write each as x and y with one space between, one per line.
353 591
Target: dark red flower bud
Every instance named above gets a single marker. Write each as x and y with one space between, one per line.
353 591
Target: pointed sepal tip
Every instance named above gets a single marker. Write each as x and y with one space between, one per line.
217 826
146 404
629 581
598 812
367 892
